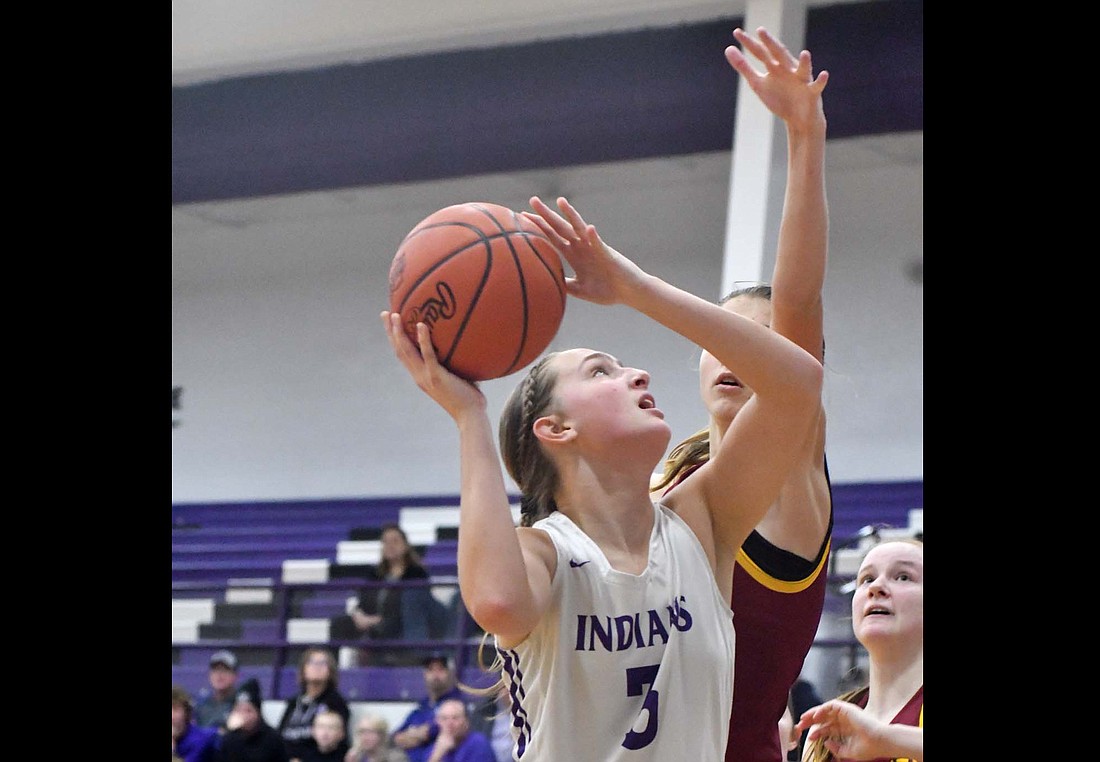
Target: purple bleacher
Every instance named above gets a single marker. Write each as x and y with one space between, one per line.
858 505
322 608
354 511
283 544
260 629
475 677
442 568
215 542
441 551
198 656
441 558
200 594
382 683
210 571
231 533
288 683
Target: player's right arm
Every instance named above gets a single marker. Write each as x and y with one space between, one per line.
502 594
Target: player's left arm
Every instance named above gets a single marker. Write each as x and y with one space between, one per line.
789 89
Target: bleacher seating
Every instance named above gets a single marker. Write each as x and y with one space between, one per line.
888 503
265 577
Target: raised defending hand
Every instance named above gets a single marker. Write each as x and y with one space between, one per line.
846 730
787 87
600 274
455 395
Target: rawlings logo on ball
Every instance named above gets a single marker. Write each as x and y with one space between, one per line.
444 307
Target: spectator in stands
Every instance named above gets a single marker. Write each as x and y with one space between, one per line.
216 701
190 742
884 719
318 690
248 737
780 574
419 730
330 736
373 743
383 613
456 742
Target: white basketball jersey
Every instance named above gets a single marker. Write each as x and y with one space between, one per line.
625 667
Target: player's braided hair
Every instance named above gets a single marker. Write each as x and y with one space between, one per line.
533 472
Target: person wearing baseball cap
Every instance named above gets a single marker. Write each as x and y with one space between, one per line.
216 701
418 732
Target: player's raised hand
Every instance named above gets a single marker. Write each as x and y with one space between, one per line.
600 273
787 86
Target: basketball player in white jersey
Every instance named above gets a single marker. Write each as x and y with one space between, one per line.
610 612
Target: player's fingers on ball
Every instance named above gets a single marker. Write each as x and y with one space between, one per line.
424 340
398 337
389 322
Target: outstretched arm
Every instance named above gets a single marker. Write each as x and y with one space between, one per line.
788 88
848 731
785 378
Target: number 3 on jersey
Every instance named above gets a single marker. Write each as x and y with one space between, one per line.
637 678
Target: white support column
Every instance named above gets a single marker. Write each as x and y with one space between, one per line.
758 167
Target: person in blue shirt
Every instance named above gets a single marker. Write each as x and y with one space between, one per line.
190 743
456 742
419 730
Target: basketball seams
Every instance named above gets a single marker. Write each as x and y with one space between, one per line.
483 240
474 299
556 275
521 277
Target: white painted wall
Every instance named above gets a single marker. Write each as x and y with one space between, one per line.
291 389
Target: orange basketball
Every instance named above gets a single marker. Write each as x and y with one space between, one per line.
488 284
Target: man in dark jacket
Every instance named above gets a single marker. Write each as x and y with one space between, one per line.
249 738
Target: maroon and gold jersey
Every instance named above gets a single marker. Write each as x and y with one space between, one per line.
777 602
776 611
